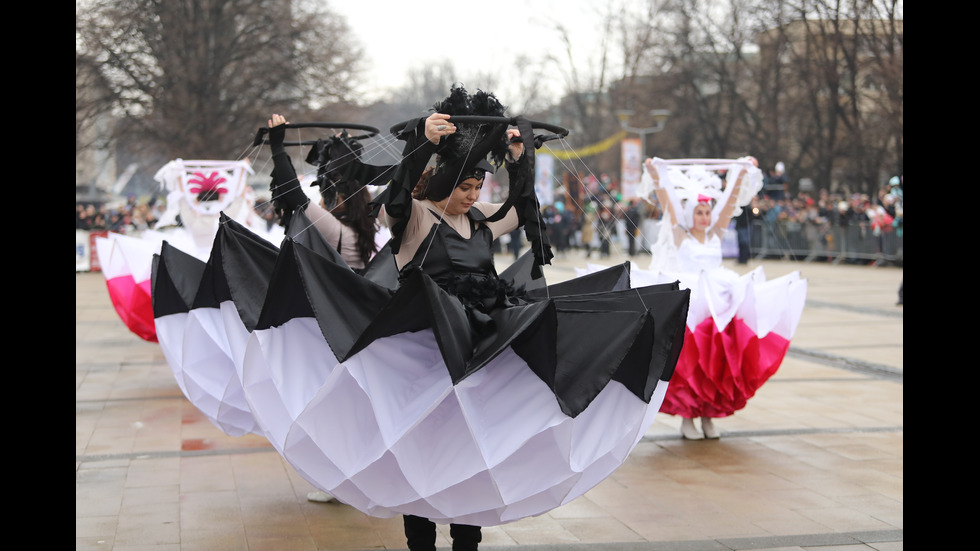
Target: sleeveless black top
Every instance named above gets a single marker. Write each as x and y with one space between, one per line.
465 269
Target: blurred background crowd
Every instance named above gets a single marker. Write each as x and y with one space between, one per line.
823 226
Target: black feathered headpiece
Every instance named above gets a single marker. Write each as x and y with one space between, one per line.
339 168
463 154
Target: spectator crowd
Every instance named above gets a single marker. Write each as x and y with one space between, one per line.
130 217
805 225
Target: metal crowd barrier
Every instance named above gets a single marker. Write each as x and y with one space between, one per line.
807 242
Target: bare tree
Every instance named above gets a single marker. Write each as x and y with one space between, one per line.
843 100
195 78
815 83
91 101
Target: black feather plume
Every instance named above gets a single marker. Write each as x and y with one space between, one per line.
468 135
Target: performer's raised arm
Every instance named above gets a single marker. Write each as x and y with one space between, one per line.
727 208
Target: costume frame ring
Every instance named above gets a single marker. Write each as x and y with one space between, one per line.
558 131
369 131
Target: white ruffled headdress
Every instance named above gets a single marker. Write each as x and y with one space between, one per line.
690 181
686 182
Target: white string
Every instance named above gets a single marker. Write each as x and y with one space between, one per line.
570 169
384 145
589 193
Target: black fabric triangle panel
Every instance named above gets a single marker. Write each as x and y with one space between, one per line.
670 316
519 273
343 302
405 311
614 278
382 269
212 289
450 324
637 368
519 324
584 369
246 265
537 345
285 298
174 279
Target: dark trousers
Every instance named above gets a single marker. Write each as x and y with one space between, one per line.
604 247
744 244
421 535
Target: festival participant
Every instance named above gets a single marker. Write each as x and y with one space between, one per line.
458 396
724 360
439 214
346 222
198 191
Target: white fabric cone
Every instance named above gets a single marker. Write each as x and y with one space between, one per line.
122 255
721 294
237 335
791 320
281 371
170 335
210 362
388 433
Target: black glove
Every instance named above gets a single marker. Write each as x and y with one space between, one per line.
287 194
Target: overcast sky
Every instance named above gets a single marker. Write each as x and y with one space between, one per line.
401 35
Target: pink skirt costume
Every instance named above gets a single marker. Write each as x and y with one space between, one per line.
198 191
738 327
126 263
738 330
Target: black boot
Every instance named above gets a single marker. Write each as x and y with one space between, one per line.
420 533
465 537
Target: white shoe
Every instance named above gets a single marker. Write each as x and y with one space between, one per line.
320 497
708 427
688 431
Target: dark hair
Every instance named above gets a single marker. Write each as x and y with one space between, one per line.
420 189
354 211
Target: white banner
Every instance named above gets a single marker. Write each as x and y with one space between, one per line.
632 168
544 186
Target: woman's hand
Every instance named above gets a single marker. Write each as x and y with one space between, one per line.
651 167
277 132
276 120
652 171
437 126
516 149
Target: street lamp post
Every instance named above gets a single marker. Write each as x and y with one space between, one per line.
659 116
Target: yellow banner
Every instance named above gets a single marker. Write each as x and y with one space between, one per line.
587 150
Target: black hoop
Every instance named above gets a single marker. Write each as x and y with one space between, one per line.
370 131
558 131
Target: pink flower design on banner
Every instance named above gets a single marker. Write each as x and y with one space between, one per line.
212 182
